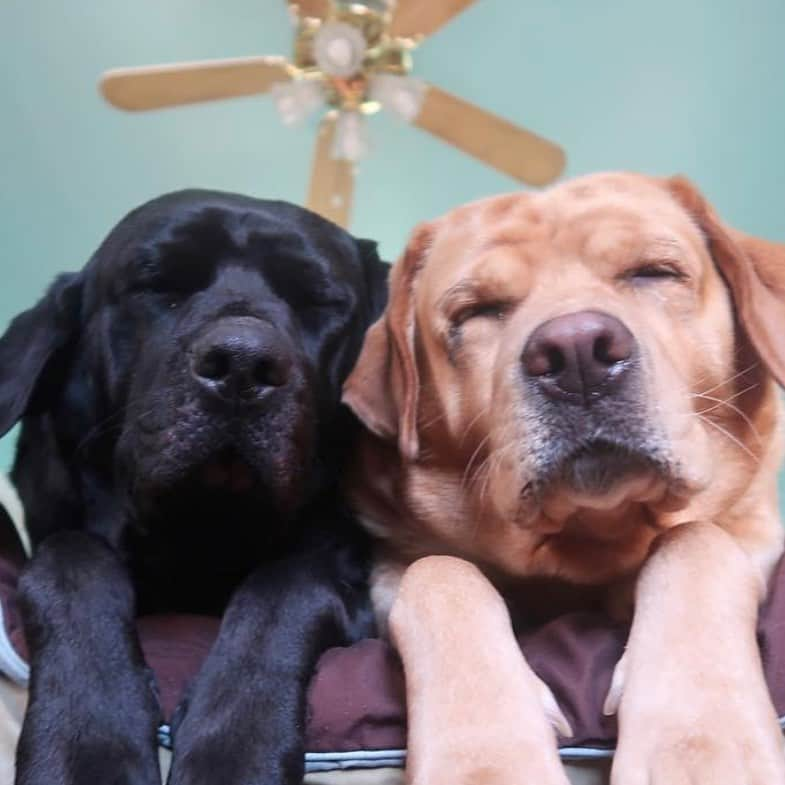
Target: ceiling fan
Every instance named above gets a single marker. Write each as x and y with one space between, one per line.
350 59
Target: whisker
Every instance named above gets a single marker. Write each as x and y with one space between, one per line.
106 425
730 436
432 422
98 430
472 423
471 460
719 403
494 460
731 378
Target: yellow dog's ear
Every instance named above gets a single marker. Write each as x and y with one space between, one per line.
384 387
754 270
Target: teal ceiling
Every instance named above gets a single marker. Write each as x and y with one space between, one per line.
695 87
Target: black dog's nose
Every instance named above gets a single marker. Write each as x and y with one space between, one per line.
579 356
239 360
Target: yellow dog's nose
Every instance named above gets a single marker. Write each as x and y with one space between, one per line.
579 356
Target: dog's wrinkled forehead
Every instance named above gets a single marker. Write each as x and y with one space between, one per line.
584 218
193 232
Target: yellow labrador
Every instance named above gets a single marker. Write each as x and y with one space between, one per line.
578 386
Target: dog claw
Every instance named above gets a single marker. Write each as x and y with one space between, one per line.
613 698
554 714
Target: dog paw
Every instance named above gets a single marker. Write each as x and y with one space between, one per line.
235 734
729 739
518 752
80 730
687 756
528 767
77 760
197 759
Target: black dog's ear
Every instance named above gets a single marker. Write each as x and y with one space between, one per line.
31 351
376 275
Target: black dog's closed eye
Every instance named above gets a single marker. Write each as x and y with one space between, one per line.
173 278
180 451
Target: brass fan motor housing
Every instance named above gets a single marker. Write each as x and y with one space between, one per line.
383 55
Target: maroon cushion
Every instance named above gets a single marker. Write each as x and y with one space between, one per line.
175 647
356 699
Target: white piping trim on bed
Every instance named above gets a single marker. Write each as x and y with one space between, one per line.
10 500
11 664
396 759
362 759
378 759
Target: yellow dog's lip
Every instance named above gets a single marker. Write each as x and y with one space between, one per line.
561 502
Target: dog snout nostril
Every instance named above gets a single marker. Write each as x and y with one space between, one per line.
614 347
541 359
213 365
556 360
601 350
269 373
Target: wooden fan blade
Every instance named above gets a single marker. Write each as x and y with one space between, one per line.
158 86
332 181
495 141
417 19
317 9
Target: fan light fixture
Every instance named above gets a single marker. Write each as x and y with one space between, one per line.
351 142
296 100
339 49
401 95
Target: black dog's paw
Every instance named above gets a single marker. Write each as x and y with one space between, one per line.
211 764
90 756
99 729
235 758
232 732
75 760
75 580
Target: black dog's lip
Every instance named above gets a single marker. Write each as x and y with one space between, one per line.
229 472
223 474
233 467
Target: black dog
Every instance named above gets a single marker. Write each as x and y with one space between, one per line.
181 444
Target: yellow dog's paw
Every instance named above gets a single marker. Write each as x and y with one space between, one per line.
717 745
528 766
